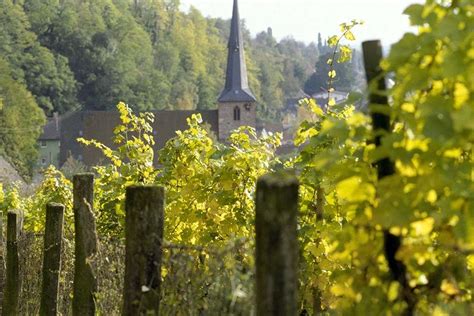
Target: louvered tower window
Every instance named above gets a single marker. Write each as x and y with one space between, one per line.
236 113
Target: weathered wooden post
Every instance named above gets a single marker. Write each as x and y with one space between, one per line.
144 207
2 263
380 112
12 284
53 237
276 244
85 282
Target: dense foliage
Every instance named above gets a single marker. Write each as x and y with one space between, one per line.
348 264
209 185
45 73
20 121
347 212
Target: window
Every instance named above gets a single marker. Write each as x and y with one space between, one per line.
81 133
236 113
43 161
43 144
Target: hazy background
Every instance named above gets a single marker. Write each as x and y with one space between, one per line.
303 19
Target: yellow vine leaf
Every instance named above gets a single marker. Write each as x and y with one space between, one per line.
461 95
354 189
453 153
449 288
408 107
349 36
393 291
438 311
423 227
470 53
470 262
432 196
315 107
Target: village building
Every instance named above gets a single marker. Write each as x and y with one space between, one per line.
49 143
236 107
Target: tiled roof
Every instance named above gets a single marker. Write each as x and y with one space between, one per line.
51 131
99 125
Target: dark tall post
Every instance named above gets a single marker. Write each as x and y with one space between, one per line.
378 100
2 263
12 287
380 112
277 245
144 208
53 237
85 283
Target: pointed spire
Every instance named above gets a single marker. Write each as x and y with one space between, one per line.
236 83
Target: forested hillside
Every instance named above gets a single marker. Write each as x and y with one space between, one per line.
148 53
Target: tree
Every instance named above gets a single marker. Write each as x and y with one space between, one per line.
20 121
46 75
269 62
319 79
298 60
109 52
206 97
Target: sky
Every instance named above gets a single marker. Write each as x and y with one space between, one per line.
303 19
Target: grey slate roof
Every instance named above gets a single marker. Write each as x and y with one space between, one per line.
236 83
51 131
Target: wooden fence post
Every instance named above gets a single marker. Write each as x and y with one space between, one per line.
12 284
380 112
86 246
144 207
276 244
2 263
53 237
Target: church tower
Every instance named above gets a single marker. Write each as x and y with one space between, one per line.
236 102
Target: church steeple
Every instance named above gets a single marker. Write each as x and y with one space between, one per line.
236 83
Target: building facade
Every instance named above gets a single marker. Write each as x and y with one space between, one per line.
49 144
